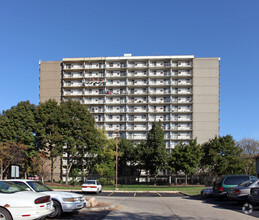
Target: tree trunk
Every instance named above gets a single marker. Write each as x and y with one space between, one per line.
170 179
186 178
51 170
61 169
155 180
68 171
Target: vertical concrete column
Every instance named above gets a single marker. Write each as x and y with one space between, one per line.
50 80
205 98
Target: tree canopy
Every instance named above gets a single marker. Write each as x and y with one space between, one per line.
222 156
250 149
154 155
185 158
81 139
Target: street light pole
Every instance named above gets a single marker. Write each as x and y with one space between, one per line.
116 178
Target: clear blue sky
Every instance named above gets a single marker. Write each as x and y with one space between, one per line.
46 30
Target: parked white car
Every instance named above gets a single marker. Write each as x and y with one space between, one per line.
17 203
63 201
92 186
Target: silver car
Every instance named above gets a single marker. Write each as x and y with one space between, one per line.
241 192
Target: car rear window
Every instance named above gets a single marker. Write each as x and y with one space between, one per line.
235 180
90 182
247 183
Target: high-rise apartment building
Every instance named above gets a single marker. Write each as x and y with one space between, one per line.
129 93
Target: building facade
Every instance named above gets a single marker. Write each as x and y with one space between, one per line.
129 93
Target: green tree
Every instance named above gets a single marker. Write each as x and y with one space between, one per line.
18 125
250 149
221 156
100 160
127 155
48 136
154 157
105 158
185 158
80 135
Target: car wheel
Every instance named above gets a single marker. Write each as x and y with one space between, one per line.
5 215
58 210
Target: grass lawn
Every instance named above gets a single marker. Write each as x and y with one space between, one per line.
189 190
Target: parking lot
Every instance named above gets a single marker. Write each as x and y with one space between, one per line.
157 205
136 194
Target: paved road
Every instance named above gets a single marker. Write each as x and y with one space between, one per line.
163 206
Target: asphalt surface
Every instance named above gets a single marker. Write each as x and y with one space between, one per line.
135 194
162 206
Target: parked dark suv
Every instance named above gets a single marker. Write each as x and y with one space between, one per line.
220 188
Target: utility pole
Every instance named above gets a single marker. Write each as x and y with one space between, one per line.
116 179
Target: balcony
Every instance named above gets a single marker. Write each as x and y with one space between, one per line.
73 75
152 92
96 111
184 64
115 65
137 74
160 83
115 111
73 84
138 65
94 65
137 83
115 74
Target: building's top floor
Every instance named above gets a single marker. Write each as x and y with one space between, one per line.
128 57
135 58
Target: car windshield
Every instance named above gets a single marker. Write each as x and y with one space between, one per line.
235 180
247 183
90 182
8 187
38 186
